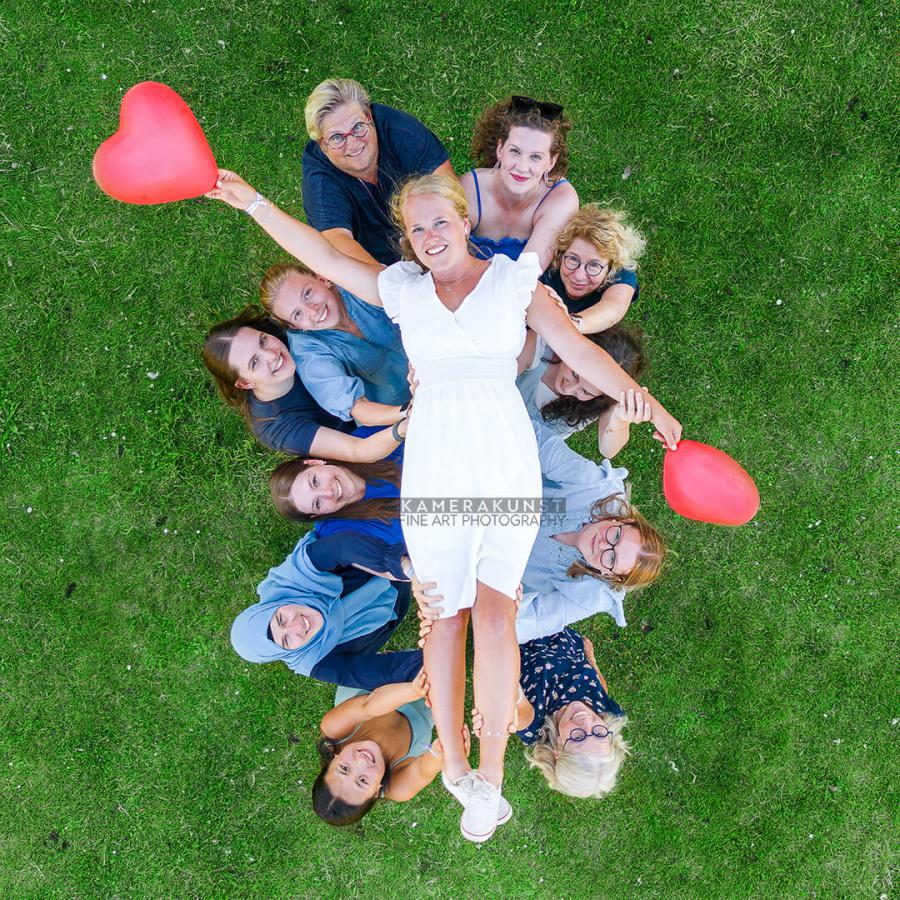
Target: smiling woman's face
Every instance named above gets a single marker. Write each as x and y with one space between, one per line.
579 715
610 539
259 359
294 625
436 231
355 774
322 488
307 303
525 158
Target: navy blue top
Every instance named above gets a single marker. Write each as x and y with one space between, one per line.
555 671
576 307
372 543
357 663
334 199
290 423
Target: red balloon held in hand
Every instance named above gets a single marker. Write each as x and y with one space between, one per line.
159 154
703 483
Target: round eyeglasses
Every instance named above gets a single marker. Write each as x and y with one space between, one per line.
592 268
612 536
338 140
577 735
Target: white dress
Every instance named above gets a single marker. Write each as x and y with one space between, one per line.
469 435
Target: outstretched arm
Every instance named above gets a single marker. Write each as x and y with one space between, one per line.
341 720
301 241
586 358
343 241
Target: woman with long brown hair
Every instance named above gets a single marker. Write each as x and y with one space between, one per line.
354 510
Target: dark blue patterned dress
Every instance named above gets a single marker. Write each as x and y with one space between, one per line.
555 671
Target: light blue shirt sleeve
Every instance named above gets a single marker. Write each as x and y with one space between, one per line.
541 615
326 378
563 465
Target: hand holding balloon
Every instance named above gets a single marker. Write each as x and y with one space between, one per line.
232 189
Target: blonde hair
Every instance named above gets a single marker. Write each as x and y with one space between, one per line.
653 548
327 97
274 280
609 231
578 774
442 185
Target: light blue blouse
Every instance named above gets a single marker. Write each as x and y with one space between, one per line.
338 368
551 600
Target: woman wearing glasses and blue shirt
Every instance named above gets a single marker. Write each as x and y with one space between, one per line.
518 196
594 267
359 154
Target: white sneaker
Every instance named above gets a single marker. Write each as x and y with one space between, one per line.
481 808
504 811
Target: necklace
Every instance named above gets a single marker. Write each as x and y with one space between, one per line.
449 285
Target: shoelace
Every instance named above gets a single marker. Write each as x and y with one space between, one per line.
481 787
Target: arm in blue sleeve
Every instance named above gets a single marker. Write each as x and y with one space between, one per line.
325 377
560 463
348 548
368 670
541 615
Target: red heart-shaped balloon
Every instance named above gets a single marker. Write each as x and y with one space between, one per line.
703 483
159 154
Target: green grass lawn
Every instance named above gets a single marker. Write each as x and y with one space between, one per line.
139 756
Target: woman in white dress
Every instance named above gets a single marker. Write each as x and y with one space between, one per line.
462 321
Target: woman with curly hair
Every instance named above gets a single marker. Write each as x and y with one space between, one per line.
518 193
594 268
564 401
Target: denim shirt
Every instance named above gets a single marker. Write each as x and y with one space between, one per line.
338 368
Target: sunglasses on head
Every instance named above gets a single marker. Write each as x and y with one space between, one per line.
551 111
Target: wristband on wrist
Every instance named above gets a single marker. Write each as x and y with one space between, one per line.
258 201
432 751
406 567
395 431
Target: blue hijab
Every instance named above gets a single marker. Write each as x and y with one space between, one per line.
297 581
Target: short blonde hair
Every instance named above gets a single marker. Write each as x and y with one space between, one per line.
578 774
442 185
327 97
609 231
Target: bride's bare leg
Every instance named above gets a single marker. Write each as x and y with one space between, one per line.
496 676
445 663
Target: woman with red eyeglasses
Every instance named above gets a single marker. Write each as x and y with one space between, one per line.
518 195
